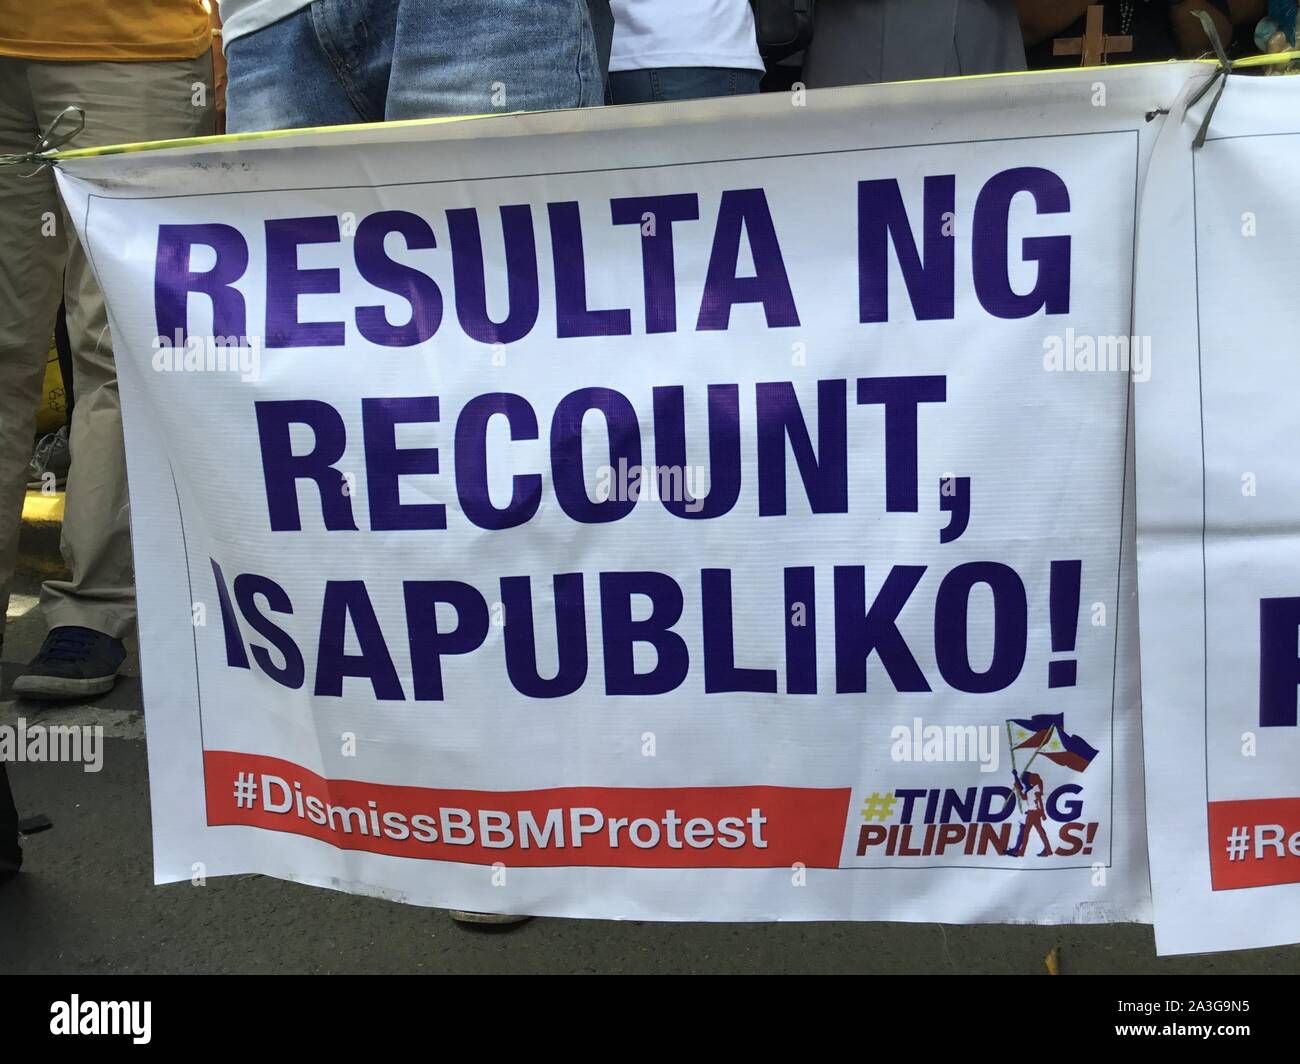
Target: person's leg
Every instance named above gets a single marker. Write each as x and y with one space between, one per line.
325 65
89 614
681 83
1047 850
466 57
11 854
33 244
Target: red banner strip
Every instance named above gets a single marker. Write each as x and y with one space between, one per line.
1254 843
628 827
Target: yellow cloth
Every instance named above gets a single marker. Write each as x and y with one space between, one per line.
94 30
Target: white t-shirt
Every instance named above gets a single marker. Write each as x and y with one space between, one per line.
239 17
684 33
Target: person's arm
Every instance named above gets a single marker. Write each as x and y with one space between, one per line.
1190 34
1041 19
218 68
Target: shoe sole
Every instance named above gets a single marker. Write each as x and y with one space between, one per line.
61 688
463 916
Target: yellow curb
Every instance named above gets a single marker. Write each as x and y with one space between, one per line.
40 507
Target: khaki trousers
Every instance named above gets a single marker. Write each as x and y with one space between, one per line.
41 258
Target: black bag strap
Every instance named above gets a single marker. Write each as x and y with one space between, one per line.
783 27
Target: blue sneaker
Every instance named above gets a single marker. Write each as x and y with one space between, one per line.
72 663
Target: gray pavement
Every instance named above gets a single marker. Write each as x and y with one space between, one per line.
85 902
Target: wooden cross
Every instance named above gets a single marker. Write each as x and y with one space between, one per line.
1094 45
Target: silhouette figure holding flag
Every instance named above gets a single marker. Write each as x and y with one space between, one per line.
1043 734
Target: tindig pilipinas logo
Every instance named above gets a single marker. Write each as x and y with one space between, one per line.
992 819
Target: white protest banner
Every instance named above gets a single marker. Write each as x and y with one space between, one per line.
1219 522
700 512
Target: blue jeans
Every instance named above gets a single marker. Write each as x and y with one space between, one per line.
680 83
343 61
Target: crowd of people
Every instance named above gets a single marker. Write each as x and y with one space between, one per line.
163 69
